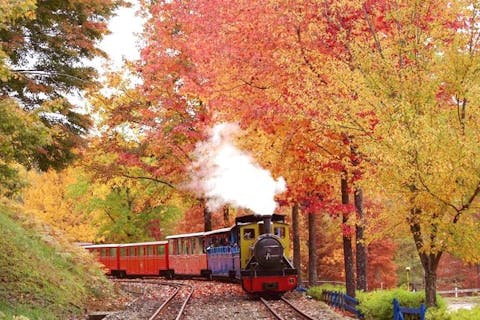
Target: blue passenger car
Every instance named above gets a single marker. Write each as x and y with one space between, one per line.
223 252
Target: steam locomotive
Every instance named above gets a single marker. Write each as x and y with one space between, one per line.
253 251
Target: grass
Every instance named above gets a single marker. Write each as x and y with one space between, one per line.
42 276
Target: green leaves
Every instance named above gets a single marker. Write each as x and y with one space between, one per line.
21 137
43 46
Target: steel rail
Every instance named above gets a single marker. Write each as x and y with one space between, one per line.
296 309
290 305
155 314
182 309
271 309
177 287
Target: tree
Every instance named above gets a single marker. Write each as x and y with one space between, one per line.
419 78
43 44
278 81
45 49
48 198
381 269
297 258
347 240
312 250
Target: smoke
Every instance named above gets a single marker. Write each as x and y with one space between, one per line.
225 175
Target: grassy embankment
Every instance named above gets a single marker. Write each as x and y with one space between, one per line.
43 276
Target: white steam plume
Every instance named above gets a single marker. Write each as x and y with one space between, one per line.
225 175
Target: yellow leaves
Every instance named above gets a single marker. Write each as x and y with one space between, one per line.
11 10
47 199
15 9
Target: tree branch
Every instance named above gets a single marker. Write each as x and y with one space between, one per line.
47 74
458 211
149 178
467 205
372 30
305 58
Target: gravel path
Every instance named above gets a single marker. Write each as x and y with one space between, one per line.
216 300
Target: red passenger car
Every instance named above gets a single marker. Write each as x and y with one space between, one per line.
107 254
134 259
187 255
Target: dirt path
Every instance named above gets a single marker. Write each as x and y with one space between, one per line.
454 304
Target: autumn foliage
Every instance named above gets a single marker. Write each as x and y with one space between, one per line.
367 109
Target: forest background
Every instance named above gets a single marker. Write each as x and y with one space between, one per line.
368 110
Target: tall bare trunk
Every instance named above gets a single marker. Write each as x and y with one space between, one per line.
226 216
429 261
431 280
296 241
312 252
361 249
347 244
207 216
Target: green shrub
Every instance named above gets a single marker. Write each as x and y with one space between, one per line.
316 292
378 305
438 314
462 314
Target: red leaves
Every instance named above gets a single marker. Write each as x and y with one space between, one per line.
347 230
335 165
316 205
128 159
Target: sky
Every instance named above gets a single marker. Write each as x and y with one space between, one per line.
123 40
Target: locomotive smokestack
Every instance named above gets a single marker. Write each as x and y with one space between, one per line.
267 224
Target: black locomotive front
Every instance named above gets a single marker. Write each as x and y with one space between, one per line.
268 270
268 251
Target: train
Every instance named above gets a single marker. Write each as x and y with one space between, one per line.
253 251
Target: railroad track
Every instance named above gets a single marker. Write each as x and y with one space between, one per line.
175 305
151 306
284 310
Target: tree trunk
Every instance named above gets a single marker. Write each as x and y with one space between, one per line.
226 216
207 216
347 245
296 242
431 287
361 249
312 252
429 261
